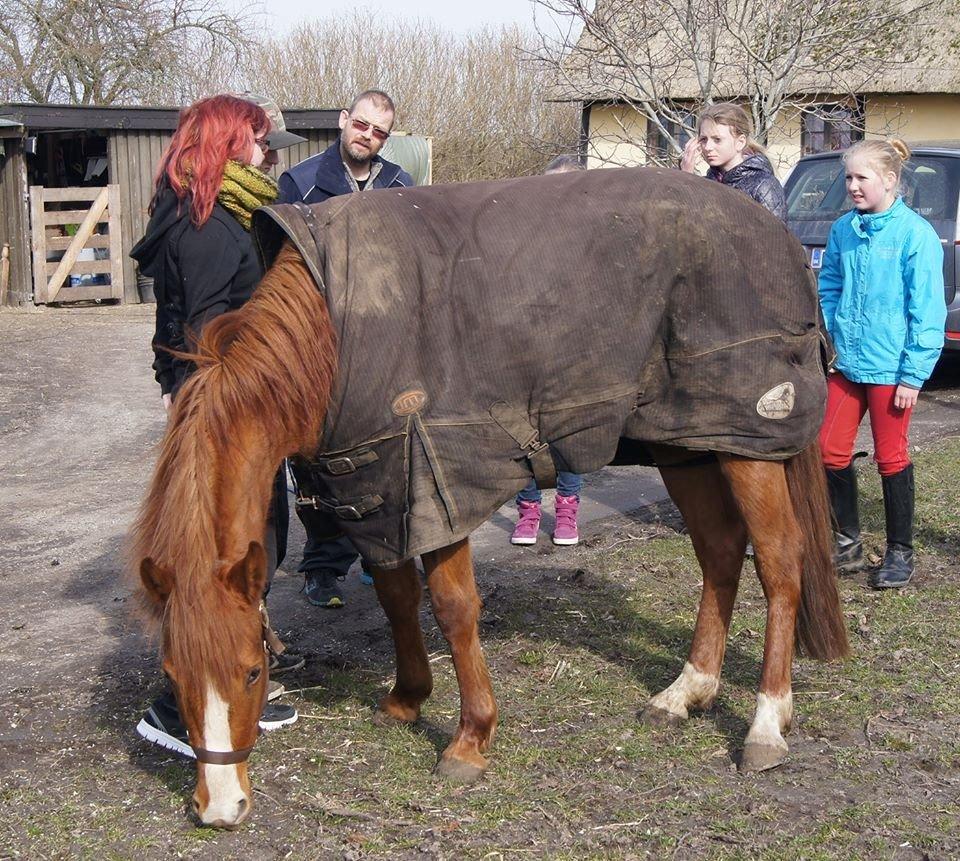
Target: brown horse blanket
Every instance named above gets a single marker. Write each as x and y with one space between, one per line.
491 330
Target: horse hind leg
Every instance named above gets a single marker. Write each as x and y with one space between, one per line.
456 606
719 540
760 488
399 593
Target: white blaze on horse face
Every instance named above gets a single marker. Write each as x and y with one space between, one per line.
691 689
773 718
227 799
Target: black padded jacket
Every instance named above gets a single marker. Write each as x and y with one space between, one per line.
754 176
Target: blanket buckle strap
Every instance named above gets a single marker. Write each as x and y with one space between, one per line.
518 426
356 509
345 465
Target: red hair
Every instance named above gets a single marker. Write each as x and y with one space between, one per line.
210 133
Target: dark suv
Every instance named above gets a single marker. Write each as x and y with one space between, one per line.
817 196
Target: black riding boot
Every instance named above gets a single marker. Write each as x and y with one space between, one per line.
842 484
897 568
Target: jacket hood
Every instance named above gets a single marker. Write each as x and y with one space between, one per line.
169 209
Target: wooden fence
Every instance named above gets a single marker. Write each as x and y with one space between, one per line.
51 278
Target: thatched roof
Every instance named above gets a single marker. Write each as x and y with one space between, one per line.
663 60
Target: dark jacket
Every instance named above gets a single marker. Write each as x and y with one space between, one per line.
198 273
323 176
754 176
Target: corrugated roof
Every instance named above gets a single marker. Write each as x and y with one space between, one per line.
69 117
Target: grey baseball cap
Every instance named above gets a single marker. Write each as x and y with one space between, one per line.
278 137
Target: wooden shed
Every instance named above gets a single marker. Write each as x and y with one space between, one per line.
64 165
14 217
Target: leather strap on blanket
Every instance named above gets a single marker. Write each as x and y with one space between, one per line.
273 225
355 509
515 423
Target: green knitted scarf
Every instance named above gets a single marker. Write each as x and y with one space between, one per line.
243 189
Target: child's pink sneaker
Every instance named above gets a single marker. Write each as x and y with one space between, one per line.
525 531
565 532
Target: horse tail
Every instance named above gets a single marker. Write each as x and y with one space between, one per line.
821 628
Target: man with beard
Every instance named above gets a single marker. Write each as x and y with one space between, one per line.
351 164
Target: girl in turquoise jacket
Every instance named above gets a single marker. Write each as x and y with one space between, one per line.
881 291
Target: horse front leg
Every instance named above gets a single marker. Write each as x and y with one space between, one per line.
719 540
760 488
399 593
456 606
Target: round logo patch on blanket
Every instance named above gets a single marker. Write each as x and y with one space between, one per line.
409 402
778 402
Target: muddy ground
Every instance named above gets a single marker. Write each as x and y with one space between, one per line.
577 639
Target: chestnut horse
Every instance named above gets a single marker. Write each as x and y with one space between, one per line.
262 385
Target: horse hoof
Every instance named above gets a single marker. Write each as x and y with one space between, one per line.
761 757
385 719
459 771
390 713
657 717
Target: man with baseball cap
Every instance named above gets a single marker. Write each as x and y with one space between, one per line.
278 137
281 660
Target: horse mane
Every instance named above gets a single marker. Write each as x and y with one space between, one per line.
269 365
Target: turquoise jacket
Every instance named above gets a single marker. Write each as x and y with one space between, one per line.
881 290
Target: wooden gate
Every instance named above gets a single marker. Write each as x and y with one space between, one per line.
49 227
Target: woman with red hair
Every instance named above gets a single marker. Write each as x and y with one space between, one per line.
197 246
198 250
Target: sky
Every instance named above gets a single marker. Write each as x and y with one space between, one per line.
458 16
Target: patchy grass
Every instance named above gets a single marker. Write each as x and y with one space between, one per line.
577 640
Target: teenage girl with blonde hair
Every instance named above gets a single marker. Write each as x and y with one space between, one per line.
881 290
724 140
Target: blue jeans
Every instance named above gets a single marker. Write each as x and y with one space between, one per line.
568 484
327 554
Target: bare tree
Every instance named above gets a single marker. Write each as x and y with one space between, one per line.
483 106
665 58
108 51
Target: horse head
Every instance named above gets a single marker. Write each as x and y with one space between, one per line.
213 655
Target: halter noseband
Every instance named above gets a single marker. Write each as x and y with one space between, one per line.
221 757
234 757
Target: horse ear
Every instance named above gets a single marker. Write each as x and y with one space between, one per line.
248 576
157 581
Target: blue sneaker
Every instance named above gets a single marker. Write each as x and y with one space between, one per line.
366 578
322 589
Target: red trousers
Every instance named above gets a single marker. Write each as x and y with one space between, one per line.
846 404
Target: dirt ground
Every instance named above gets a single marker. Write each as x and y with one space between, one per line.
577 639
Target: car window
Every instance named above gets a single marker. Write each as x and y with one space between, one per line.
817 190
930 185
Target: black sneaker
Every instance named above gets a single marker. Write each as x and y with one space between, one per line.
285 662
322 589
276 715
161 724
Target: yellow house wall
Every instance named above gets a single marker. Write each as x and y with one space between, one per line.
618 134
616 137
925 117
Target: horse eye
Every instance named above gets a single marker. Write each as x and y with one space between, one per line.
253 675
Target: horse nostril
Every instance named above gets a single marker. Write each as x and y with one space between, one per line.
243 806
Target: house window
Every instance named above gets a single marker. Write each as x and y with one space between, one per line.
831 127
659 148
